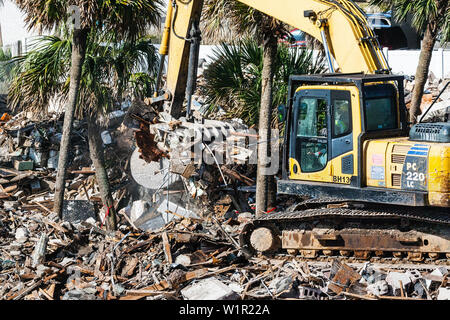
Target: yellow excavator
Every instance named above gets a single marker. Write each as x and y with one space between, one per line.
375 186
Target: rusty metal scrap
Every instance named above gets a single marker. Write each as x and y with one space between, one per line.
147 145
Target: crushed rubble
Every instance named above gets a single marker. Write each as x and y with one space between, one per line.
175 240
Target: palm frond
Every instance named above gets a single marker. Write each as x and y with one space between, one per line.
233 79
108 73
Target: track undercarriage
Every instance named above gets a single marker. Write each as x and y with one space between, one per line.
319 228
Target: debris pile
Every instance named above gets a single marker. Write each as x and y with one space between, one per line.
29 151
435 89
191 169
42 257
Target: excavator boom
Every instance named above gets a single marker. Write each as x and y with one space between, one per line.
339 24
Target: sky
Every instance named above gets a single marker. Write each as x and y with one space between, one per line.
13 26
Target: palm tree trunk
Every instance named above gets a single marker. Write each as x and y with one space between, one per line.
429 39
78 55
1 37
96 152
263 182
421 77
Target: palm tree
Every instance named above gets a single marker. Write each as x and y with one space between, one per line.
233 78
243 20
432 18
127 19
1 38
107 73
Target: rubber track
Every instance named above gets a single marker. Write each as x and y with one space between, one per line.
418 214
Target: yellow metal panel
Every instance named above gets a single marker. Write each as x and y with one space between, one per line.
333 171
326 175
177 67
439 174
376 162
345 31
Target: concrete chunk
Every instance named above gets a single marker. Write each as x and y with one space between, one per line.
21 235
379 288
394 278
444 294
77 210
209 289
441 271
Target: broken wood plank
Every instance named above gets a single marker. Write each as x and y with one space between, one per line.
82 171
147 293
165 285
41 206
358 296
54 225
25 291
45 294
166 247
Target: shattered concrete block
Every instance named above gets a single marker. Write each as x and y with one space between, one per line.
9 205
183 259
21 235
394 278
443 294
78 295
308 293
77 210
209 289
379 288
138 208
441 271
414 275
281 284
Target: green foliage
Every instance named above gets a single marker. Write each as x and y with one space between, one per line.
109 73
129 19
422 13
233 79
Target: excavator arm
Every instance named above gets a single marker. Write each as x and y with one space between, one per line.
340 25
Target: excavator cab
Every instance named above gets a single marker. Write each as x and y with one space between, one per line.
347 138
328 118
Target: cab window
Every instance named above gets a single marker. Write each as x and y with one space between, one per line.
380 107
312 118
380 114
312 134
342 118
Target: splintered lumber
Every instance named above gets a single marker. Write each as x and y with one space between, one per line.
54 225
27 290
140 244
148 293
83 171
165 284
41 206
166 246
45 294
237 176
